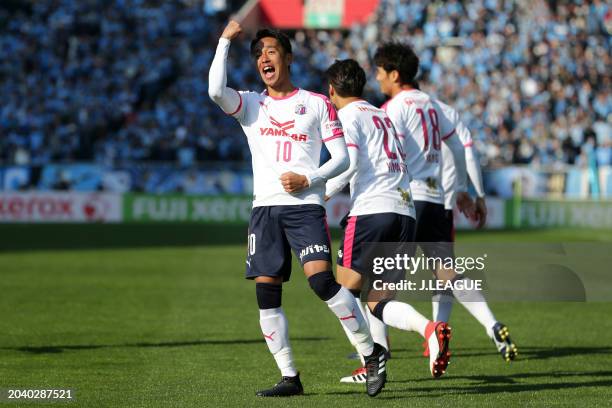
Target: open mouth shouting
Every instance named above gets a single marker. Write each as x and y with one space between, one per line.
268 72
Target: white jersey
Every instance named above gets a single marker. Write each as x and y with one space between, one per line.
286 134
380 182
423 126
449 173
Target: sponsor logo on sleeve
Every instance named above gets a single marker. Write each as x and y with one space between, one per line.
333 125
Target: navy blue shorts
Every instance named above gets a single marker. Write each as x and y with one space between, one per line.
371 228
434 224
276 230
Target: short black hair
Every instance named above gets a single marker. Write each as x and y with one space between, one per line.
394 56
347 78
281 37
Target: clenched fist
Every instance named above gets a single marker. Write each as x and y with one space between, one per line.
293 182
232 30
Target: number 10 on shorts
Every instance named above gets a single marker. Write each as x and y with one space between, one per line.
251 244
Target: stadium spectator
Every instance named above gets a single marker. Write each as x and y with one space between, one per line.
125 80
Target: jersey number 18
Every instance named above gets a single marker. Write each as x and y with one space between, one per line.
433 118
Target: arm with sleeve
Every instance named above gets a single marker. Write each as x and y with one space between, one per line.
471 159
447 125
333 137
227 98
336 184
338 163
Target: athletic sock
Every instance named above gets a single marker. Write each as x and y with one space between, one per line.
276 332
442 305
475 303
349 334
346 308
403 316
378 329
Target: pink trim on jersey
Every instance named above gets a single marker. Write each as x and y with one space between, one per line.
384 105
468 144
239 105
349 238
352 145
331 112
336 135
449 135
280 98
332 115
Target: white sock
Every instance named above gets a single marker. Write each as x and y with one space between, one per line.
378 329
350 335
346 308
475 303
442 305
363 309
276 332
405 317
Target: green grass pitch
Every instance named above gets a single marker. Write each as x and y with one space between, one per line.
177 326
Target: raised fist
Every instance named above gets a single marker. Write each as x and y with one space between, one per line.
232 30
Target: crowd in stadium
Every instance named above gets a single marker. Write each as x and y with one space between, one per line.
126 80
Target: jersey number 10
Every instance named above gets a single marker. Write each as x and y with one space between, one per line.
286 151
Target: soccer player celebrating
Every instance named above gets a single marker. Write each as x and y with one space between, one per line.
443 302
381 206
285 128
424 125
